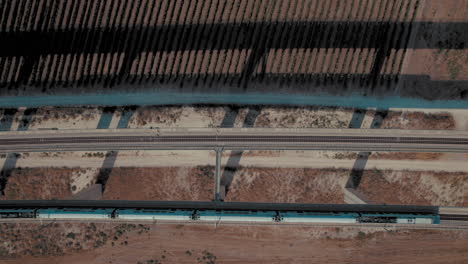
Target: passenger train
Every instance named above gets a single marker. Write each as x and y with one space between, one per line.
221 215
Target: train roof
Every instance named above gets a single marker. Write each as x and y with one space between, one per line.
189 205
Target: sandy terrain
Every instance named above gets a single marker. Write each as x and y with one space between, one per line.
419 120
264 116
460 116
81 179
213 117
209 244
66 118
285 159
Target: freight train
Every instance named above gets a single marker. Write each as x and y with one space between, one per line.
269 216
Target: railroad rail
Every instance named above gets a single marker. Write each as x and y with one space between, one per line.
183 205
454 217
235 139
453 213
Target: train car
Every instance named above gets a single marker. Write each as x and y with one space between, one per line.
314 217
74 213
142 214
17 213
398 219
421 220
236 216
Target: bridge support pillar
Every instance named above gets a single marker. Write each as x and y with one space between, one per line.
217 177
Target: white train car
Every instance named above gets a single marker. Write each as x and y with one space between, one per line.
167 215
415 220
74 214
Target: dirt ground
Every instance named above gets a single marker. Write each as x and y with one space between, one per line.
419 121
66 118
414 188
93 161
209 244
282 185
182 183
245 184
39 183
242 116
440 63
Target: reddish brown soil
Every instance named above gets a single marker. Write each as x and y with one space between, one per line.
391 156
287 185
419 121
413 188
440 64
405 156
205 244
39 183
150 114
444 11
64 113
182 183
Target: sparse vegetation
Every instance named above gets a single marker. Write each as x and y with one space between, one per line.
205 171
94 155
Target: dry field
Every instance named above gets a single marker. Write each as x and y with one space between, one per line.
89 117
440 64
245 184
187 54
282 185
39 184
189 184
208 244
412 187
105 45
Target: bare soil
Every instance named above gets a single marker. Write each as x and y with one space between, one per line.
245 184
414 188
282 185
419 121
440 63
39 184
182 183
88 117
208 244
405 156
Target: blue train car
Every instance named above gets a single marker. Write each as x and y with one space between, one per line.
236 216
314 217
147 214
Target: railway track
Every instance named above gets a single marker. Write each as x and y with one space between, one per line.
450 217
168 222
235 139
299 139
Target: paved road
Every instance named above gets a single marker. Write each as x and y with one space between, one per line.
235 139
